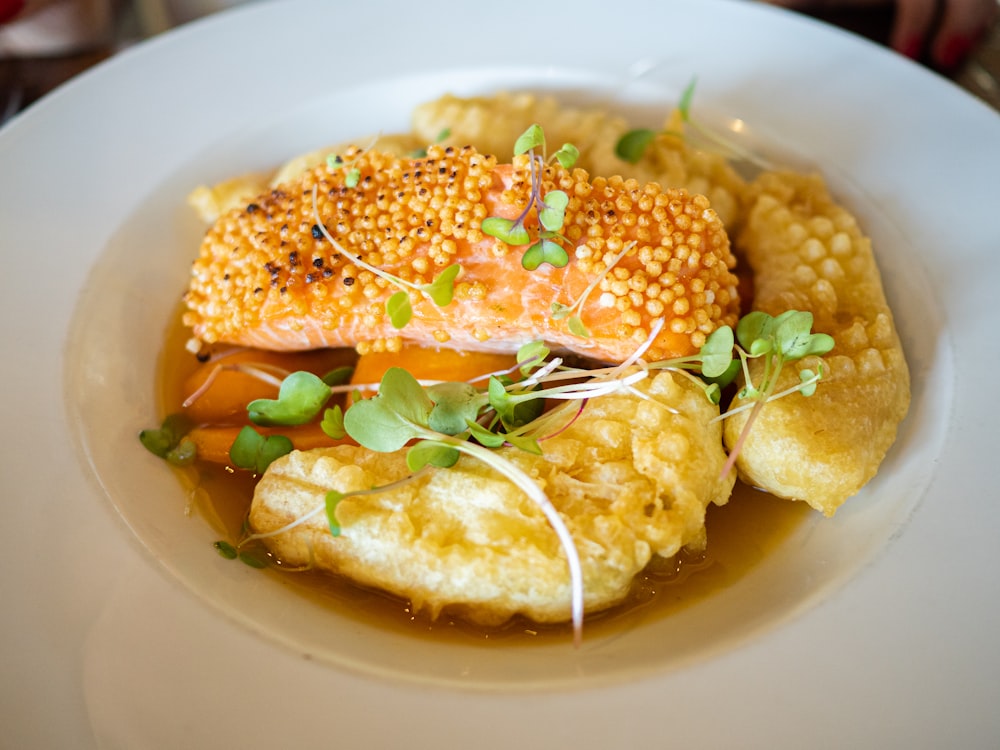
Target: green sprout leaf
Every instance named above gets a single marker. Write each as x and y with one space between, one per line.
524 443
421 153
544 251
433 453
254 452
567 155
253 558
399 310
687 96
717 352
455 404
161 442
352 177
225 549
752 327
338 376
514 411
531 138
560 311
333 423
809 380
485 437
506 230
554 211
301 397
331 501
713 392
631 146
184 453
394 416
577 328
442 289
531 356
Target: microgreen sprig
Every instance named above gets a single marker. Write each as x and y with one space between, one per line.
437 422
170 441
255 452
572 310
633 144
399 306
550 207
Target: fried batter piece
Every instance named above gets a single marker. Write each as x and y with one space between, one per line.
631 477
807 253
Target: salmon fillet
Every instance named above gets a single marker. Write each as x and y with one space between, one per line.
269 277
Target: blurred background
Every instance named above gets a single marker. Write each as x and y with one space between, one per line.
44 43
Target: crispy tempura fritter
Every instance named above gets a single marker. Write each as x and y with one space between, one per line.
807 253
631 477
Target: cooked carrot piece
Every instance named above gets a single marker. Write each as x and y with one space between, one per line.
428 363
233 385
213 443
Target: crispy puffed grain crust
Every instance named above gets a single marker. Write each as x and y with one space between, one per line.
632 477
296 268
807 253
493 123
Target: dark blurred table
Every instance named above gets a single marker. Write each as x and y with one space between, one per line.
24 80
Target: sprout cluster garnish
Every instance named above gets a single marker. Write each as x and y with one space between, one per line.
550 208
436 422
776 341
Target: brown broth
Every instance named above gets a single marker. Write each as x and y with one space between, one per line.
740 535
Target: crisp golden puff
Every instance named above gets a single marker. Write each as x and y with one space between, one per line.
269 277
493 123
807 253
631 477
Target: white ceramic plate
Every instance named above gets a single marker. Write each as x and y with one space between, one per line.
122 628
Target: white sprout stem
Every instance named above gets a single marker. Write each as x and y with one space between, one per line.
538 375
773 397
275 377
354 258
591 389
286 528
533 491
654 331
259 371
578 305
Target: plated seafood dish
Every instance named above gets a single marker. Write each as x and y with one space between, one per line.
501 365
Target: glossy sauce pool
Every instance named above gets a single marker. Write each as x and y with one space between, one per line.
740 535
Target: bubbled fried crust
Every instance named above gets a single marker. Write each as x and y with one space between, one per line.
268 277
808 253
631 477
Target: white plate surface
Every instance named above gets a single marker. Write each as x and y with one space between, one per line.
119 627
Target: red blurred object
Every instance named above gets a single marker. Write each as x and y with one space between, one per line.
9 9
